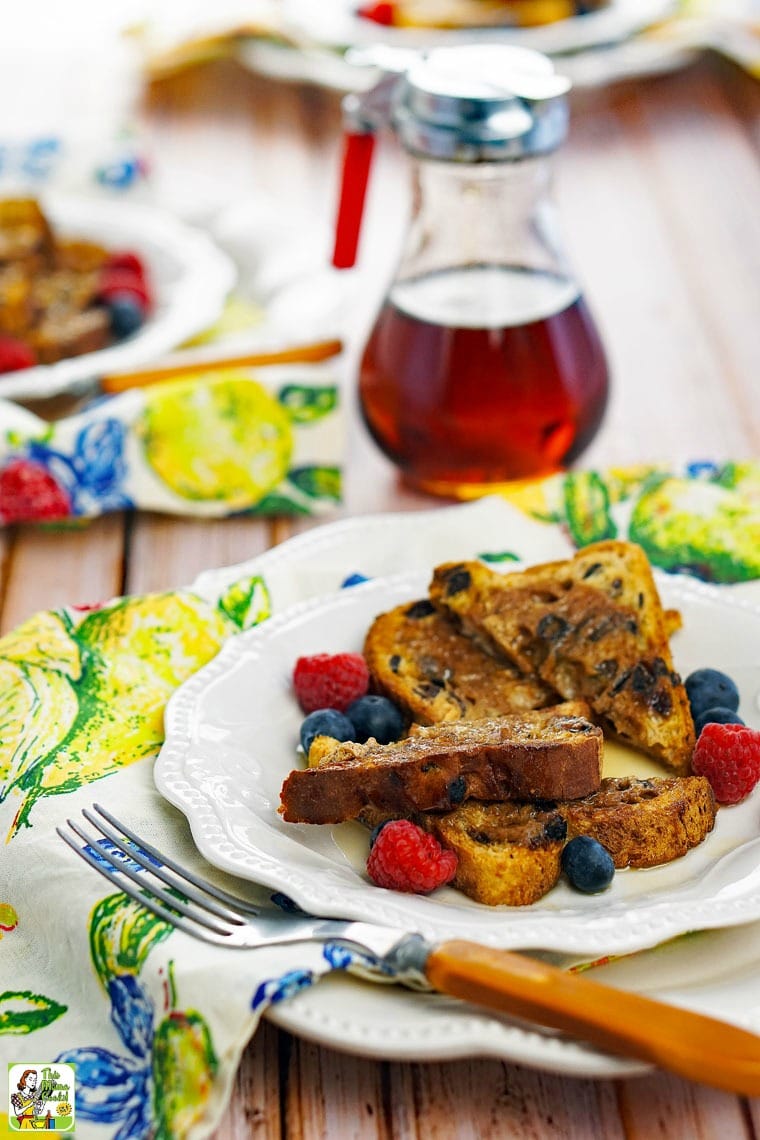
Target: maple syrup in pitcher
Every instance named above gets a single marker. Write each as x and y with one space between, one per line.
481 375
484 365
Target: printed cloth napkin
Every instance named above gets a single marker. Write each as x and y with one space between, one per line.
266 440
94 989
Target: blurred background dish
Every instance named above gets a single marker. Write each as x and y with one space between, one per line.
191 278
339 22
621 38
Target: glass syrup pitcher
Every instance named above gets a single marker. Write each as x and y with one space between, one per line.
484 365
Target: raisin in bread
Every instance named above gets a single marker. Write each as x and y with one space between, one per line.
537 755
593 628
419 660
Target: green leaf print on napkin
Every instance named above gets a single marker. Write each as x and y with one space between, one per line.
317 482
301 491
122 934
587 508
280 504
38 708
742 477
307 403
22 1011
699 526
496 556
247 602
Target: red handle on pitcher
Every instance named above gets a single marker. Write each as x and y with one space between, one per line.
357 159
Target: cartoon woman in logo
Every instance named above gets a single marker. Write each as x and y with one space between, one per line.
29 1102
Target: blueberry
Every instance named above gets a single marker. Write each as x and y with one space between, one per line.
325 722
375 716
717 715
710 689
354 580
588 865
376 831
125 314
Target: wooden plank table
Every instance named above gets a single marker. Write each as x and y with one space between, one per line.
659 186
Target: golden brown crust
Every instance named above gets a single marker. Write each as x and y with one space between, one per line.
418 659
536 755
508 853
591 627
643 823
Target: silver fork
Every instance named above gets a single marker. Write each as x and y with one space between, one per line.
690 1044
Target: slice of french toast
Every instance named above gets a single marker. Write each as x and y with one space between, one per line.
592 627
643 823
539 754
508 854
418 659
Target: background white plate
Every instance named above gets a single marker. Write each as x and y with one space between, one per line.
334 23
231 734
190 275
595 49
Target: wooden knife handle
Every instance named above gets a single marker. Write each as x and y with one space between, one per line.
689 1044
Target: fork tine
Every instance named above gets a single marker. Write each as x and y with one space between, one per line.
197 880
187 890
171 916
168 900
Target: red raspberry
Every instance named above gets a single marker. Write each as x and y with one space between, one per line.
729 756
114 281
406 858
126 259
330 680
379 13
28 491
15 354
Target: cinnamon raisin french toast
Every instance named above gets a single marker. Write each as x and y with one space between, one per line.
591 627
508 854
419 660
538 754
644 822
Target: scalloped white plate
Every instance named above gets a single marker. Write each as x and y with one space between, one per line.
191 278
231 735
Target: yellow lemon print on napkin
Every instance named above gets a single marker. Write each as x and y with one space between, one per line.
225 439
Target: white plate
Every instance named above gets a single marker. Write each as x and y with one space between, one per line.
712 972
191 278
335 23
231 734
